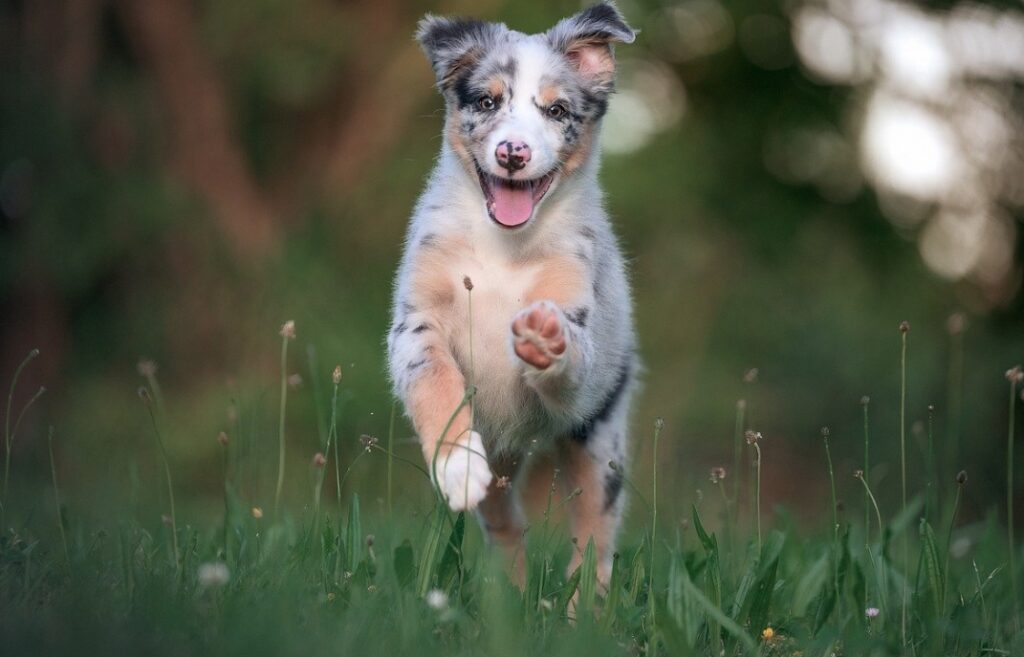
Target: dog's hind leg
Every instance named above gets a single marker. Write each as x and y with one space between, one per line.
502 518
594 466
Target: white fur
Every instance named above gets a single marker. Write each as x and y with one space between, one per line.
463 475
521 119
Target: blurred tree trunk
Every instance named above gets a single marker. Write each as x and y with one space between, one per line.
355 127
62 37
205 154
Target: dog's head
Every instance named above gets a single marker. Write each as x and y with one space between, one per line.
523 109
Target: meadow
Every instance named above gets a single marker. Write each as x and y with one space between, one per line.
788 181
342 575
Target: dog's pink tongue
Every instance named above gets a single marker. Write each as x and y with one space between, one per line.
512 206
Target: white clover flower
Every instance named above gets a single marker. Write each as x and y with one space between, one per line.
437 599
871 612
960 547
213 574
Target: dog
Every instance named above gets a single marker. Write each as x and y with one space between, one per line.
512 327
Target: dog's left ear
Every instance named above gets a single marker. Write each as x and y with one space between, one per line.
587 38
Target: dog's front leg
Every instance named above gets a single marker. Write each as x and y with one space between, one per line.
432 387
557 354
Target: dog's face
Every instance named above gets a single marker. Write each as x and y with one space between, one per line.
523 109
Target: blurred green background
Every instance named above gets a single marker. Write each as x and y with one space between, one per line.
789 179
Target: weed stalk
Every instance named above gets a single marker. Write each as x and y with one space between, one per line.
8 434
904 329
56 500
287 333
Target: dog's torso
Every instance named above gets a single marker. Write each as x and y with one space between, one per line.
571 256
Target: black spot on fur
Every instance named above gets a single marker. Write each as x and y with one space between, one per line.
612 488
581 432
399 328
450 44
578 316
437 34
508 68
429 240
421 328
571 132
416 364
465 95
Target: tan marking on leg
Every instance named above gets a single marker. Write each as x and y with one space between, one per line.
433 398
587 514
536 489
503 520
559 279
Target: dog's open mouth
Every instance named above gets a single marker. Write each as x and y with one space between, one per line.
510 203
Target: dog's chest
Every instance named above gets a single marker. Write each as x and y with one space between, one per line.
483 316
481 329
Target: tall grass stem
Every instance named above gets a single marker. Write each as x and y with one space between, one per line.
865 402
280 424
757 498
8 435
167 474
904 329
56 500
1016 376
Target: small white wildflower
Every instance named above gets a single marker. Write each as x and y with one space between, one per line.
437 599
213 574
546 604
960 547
871 612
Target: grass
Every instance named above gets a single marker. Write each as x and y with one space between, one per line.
377 580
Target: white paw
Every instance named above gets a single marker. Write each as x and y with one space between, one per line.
463 475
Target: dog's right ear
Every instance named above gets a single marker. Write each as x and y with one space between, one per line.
453 45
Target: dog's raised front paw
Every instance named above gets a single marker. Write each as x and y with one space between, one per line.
538 334
463 474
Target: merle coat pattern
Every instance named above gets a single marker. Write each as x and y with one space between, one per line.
513 209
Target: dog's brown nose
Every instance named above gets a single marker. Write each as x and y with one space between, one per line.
512 155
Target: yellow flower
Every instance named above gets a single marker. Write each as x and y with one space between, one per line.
767 633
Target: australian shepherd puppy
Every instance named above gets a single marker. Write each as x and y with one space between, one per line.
513 331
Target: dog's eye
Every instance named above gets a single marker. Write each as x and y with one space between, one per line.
556 111
486 103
